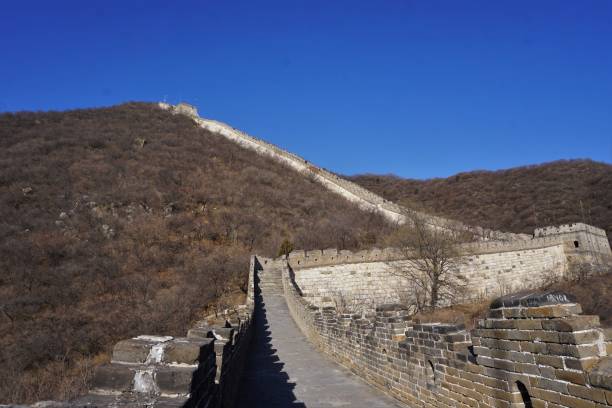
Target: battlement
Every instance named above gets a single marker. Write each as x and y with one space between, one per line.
363 279
582 237
567 229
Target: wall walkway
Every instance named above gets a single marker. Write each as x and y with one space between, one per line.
285 370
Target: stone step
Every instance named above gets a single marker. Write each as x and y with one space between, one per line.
270 279
272 286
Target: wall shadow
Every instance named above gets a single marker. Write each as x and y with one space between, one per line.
264 383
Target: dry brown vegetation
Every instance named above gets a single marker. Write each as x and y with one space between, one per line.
514 200
129 220
593 292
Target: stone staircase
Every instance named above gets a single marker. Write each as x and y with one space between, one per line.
270 281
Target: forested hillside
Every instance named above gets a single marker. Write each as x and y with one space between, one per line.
515 200
129 220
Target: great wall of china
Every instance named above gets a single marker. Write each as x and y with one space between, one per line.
533 349
352 192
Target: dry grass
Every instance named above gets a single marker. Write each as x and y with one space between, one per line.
466 314
594 295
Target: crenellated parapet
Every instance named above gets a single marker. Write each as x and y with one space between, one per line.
580 238
534 349
363 279
568 229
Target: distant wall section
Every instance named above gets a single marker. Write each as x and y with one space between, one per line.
361 280
352 192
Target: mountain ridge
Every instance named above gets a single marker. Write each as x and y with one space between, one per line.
516 200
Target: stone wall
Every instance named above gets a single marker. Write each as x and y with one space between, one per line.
534 351
361 280
352 192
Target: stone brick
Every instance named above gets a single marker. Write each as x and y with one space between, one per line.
573 402
515 356
570 324
174 380
133 351
504 365
601 374
546 395
608 396
593 394
583 337
528 324
533 299
536 403
500 344
575 377
569 350
113 377
553 361
580 364
499 324
551 385
543 336
527 368
552 311
199 333
531 347
187 351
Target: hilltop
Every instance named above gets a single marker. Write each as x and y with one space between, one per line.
514 200
129 220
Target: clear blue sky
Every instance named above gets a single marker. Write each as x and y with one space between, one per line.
416 88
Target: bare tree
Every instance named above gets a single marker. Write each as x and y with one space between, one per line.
432 261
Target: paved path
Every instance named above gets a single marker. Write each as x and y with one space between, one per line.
284 370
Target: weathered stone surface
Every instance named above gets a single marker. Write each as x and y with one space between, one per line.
113 377
187 351
533 299
199 333
175 380
391 307
570 324
136 350
601 374
223 333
